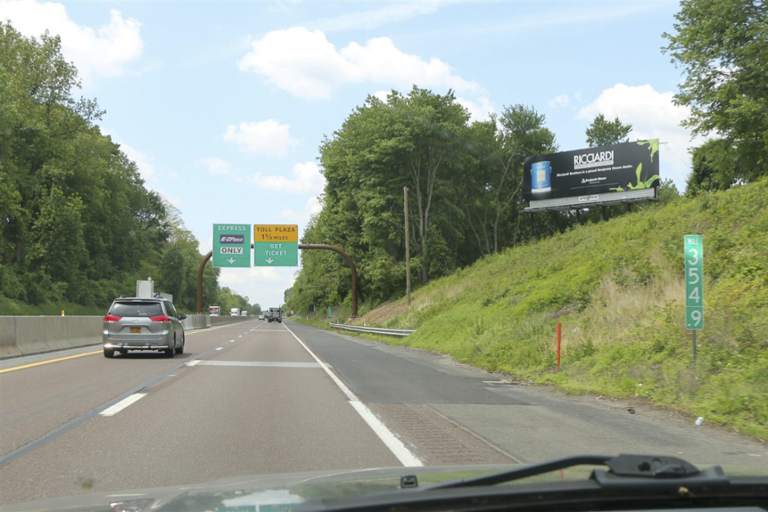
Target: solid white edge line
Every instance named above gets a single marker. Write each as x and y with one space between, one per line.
395 445
403 454
122 404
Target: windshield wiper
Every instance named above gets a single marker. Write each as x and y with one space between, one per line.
649 481
625 469
525 472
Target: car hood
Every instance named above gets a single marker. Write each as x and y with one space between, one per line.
255 493
268 493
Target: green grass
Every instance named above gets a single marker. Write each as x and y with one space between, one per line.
9 307
617 288
322 324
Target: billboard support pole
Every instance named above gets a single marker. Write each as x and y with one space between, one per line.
578 216
629 207
533 227
603 214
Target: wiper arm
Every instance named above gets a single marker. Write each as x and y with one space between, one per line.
525 472
624 469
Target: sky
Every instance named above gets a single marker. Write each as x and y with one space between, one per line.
223 105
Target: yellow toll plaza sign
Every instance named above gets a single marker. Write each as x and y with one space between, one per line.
275 245
275 233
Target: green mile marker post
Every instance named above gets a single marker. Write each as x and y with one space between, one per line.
694 286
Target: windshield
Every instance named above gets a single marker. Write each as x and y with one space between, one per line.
145 309
492 234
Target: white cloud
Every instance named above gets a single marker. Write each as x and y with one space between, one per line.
147 172
216 166
145 168
290 215
653 115
382 95
306 179
174 200
559 102
259 274
95 51
366 20
311 207
267 137
263 285
206 245
307 65
479 110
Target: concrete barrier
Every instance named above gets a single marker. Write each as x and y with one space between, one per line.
24 335
30 335
82 331
8 346
195 322
218 320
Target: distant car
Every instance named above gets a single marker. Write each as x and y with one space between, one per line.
143 324
261 317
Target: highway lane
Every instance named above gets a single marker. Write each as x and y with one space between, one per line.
252 399
35 400
417 393
260 404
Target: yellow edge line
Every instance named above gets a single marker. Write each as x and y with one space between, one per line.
30 365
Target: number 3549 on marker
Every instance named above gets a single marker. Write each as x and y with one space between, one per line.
694 282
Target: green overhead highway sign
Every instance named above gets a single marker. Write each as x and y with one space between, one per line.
231 245
275 245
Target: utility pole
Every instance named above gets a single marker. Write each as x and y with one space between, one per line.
407 249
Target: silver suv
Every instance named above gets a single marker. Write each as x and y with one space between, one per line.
143 324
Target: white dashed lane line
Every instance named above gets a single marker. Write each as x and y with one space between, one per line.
122 404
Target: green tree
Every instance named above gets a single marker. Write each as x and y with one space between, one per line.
604 133
412 140
668 191
76 221
722 46
716 166
491 193
172 273
59 247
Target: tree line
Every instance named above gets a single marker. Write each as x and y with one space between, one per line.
77 224
464 180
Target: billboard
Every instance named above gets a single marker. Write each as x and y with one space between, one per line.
584 172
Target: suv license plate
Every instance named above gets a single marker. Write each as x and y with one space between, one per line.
135 330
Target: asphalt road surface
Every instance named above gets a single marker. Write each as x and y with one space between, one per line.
257 398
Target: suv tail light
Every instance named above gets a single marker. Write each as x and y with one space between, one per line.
112 318
161 318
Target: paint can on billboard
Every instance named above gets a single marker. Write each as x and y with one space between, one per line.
541 177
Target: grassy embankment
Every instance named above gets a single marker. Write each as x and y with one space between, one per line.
11 307
617 288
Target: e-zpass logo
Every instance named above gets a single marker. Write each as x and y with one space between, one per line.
231 239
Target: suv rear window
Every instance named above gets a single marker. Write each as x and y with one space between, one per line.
144 309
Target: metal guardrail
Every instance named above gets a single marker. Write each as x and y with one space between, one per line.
374 330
